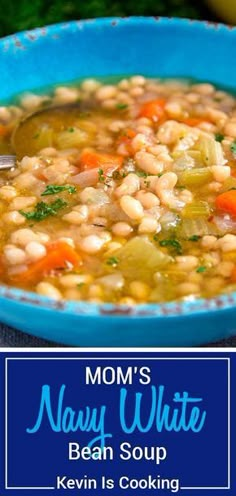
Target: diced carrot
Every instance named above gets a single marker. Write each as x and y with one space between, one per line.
193 121
4 130
1 267
125 138
126 135
227 201
153 109
92 159
40 175
233 275
58 256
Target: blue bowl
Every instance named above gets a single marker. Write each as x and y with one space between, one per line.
153 47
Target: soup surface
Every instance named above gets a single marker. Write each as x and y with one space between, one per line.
127 194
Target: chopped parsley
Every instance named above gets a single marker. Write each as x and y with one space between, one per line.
80 285
219 137
121 106
194 237
233 147
71 129
101 176
112 261
36 135
116 175
142 174
43 210
145 174
172 243
53 189
201 269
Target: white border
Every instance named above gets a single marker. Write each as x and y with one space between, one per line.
82 350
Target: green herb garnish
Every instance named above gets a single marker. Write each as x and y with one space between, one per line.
201 269
233 147
101 176
36 135
80 285
112 261
219 137
145 174
116 175
43 210
172 243
53 189
194 237
121 106
142 174
70 129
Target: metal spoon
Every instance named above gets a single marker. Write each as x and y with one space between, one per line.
56 116
7 162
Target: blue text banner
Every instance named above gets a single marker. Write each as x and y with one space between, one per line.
150 422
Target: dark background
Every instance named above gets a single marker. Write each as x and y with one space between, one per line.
17 15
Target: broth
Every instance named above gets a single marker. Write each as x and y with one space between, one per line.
126 195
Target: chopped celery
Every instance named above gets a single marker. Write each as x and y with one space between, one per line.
175 274
229 183
163 292
196 176
71 138
196 155
187 159
195 210
196 227
211 150
44 137
139 259
164 288
193 154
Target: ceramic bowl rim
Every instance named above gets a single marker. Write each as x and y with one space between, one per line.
167 310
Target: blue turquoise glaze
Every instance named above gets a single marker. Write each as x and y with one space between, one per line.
153 47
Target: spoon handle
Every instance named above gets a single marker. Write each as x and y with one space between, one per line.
7 162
